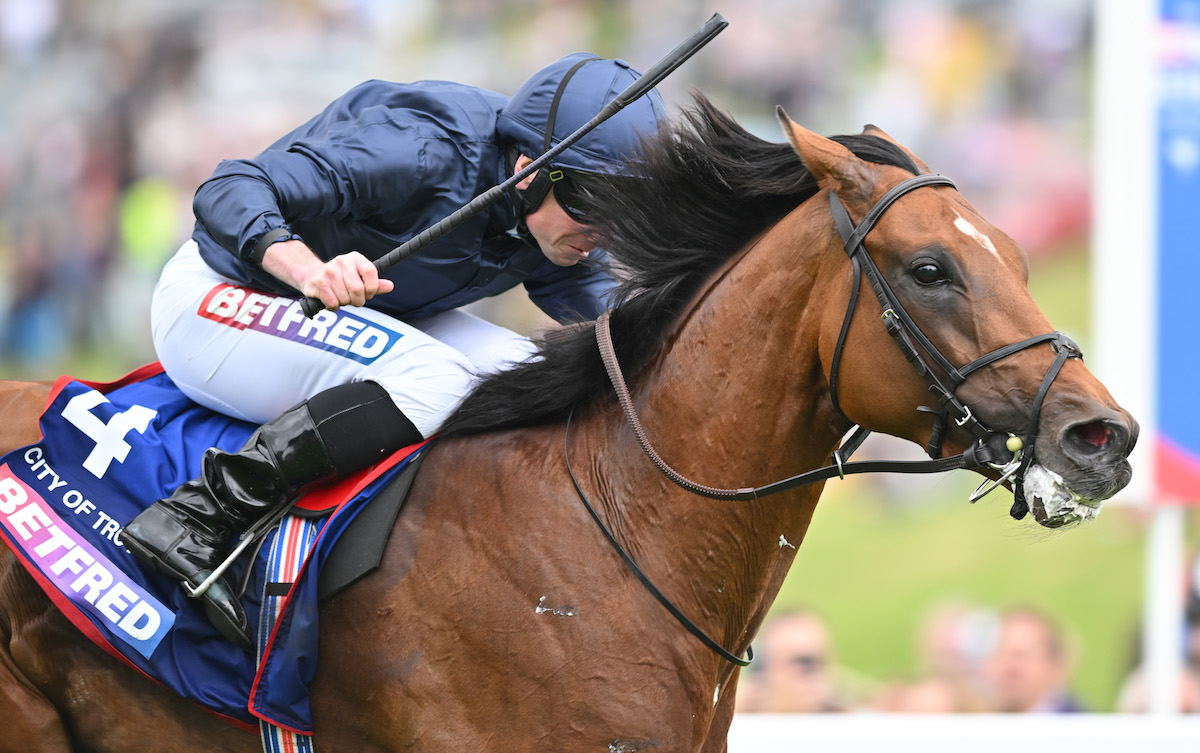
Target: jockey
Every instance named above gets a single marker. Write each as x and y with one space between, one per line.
305 217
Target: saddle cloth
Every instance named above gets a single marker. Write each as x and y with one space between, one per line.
107 452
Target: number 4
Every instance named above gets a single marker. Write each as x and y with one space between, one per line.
109 437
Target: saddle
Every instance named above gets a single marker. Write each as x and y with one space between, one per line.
110 450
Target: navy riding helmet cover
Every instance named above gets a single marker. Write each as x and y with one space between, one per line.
554 103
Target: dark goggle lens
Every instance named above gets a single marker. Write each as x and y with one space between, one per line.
569 195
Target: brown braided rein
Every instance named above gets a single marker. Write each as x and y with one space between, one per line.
609 356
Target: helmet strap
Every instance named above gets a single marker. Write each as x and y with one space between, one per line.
531 198
518 199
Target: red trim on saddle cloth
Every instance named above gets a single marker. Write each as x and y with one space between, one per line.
140 374
331 496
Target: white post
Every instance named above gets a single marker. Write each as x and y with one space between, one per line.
1163 623
1124 227
1125 247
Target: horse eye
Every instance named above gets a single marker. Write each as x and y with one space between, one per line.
928 274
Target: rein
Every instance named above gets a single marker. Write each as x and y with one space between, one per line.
975 457
692 627
1012 460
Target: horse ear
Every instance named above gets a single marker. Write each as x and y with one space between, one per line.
874 130
834 166
870 129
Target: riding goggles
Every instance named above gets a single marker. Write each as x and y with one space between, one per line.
565 184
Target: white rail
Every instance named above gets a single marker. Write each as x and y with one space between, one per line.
958 733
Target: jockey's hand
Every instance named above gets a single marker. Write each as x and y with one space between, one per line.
350 279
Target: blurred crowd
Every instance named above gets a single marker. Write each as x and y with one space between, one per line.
1018 659
114 112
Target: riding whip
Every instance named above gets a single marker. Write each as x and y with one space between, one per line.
642 85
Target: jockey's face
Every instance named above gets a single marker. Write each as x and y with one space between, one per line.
562 239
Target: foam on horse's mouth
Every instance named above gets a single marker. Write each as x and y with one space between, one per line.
1052 502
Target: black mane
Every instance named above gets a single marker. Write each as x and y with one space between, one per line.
707 187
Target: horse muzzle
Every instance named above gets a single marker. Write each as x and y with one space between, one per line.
1086 463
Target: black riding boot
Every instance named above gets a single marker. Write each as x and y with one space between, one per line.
187 535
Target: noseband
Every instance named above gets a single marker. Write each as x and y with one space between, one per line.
1008 454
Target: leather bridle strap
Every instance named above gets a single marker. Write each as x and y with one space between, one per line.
855 286
899 324
979 455
1064 348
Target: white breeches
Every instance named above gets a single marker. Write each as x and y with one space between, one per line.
252 355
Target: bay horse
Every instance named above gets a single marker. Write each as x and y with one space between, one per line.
502 617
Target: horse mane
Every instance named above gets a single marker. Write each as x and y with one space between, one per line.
706 187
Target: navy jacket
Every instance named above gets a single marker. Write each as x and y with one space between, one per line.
377 166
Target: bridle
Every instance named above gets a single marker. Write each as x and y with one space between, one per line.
904 331
1008 454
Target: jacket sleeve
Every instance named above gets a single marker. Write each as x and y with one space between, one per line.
568 294
358 171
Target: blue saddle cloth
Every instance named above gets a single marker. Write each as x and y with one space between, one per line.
107 453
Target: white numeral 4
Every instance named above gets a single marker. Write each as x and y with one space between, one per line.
109 437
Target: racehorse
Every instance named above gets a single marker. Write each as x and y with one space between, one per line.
502 617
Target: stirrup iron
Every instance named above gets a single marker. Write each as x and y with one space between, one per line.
252 534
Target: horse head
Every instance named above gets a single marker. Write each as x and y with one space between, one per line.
989 368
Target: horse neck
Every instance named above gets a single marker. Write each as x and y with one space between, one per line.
740 382
738 398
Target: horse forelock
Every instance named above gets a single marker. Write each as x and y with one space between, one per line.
706 188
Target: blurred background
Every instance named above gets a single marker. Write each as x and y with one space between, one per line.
904 597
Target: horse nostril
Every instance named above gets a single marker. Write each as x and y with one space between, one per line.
1097 437
1096 433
